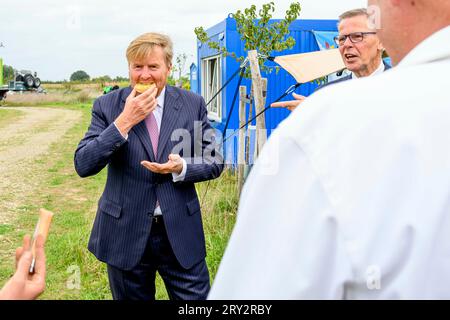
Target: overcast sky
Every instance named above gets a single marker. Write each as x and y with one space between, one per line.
56 38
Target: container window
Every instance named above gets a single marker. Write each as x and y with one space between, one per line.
211 75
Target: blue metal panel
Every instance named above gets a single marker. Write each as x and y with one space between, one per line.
301 30
314 25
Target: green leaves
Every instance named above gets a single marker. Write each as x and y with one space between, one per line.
80 75
201 34
257 32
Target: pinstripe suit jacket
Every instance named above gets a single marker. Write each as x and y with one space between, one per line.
124 216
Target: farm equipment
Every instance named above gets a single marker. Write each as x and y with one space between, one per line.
3 92
108 89
24 80
29 79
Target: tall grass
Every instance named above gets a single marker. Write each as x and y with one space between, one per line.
66 93
74 86
52 97
219 200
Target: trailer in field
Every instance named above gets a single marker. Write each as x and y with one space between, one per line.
24 80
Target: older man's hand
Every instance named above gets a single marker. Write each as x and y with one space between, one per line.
137 108
290 105
174 165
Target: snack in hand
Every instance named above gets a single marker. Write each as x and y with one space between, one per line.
141 87
42 227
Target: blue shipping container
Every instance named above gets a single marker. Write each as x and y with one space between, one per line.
214 70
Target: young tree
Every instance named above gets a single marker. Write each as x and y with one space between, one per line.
258 32
180 63
178 68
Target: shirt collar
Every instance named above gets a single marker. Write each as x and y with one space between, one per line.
160 98
379 70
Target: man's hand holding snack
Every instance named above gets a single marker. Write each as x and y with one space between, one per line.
139 104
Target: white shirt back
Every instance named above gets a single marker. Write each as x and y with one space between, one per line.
351 196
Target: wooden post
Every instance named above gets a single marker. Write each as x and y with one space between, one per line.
262 132
247 132
261 135
264 90
241 151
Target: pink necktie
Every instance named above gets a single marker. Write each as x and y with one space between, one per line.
152 128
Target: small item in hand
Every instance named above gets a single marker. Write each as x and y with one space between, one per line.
141 87
42 227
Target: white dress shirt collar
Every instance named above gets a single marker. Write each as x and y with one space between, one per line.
379 70
158 112
161 97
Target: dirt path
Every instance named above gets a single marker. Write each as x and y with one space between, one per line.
22 142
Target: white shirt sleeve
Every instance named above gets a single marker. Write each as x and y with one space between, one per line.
124 136
286 243
180 177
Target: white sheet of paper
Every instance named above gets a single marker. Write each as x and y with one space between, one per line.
306 67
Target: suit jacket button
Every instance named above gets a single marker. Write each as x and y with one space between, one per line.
117 145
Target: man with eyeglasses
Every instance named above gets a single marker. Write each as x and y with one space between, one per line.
360 48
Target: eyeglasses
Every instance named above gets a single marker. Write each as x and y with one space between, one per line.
354 37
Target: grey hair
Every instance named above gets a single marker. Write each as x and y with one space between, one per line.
353 13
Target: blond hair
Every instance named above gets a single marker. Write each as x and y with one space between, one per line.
142 46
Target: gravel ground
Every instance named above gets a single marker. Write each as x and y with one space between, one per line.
21 143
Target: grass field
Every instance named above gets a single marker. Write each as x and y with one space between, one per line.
73 272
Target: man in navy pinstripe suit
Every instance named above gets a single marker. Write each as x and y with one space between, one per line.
148 216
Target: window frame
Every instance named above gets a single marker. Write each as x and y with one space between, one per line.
209 90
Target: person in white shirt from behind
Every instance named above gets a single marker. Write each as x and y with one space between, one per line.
350 198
